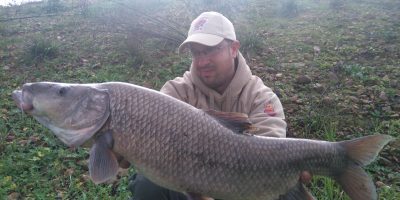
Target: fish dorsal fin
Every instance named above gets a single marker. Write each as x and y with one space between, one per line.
103 163
237 122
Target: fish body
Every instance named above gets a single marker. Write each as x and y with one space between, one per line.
189 150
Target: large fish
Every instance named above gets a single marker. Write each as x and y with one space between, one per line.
203 154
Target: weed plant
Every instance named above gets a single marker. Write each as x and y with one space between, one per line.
250 42
336 4
289 8
41 49
54 6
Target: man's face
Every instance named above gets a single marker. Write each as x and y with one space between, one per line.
215 65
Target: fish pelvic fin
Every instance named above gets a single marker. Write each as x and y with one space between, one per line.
103 163
195 196
362 151
298 192
237 122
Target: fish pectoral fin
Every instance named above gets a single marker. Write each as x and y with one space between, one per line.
298 192
195 196
237 122
103 163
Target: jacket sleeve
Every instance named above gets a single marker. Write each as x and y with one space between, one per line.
174 88
267 112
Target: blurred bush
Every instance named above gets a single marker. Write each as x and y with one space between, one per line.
40 49
251 41
336 4
289 8
54 6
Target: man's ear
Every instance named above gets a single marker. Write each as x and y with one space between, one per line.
235 48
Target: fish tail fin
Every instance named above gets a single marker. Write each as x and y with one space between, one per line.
357 184
365 149
362 151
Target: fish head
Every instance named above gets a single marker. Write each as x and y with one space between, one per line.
73 112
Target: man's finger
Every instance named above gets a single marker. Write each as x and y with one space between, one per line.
305 177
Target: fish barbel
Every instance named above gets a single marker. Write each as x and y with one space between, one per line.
185 149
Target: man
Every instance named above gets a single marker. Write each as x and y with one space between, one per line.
219 79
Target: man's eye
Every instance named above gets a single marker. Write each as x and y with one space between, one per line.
193 51
214 49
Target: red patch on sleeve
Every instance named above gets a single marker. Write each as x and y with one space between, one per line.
269 109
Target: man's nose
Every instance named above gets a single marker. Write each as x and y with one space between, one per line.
202 60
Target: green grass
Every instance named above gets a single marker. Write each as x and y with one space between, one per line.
359 44
40 167
327 189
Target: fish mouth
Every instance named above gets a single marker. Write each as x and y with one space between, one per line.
22 103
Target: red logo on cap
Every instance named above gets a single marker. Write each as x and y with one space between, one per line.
199 24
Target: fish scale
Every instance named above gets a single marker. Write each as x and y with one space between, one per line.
235 163
188 150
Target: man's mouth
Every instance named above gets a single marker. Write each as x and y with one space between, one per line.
206 72
17 96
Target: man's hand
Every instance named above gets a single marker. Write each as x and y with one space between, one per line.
305 177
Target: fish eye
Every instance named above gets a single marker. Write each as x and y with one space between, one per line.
62 91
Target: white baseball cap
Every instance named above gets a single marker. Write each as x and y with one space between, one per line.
209 29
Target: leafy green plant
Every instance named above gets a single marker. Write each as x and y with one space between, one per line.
336 4
3 29
54 6
390 36
356 71
226 7
137 50
41 49
251 41
348 50
289 8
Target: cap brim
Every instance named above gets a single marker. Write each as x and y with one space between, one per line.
201 38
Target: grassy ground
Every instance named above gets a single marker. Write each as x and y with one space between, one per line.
334 64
